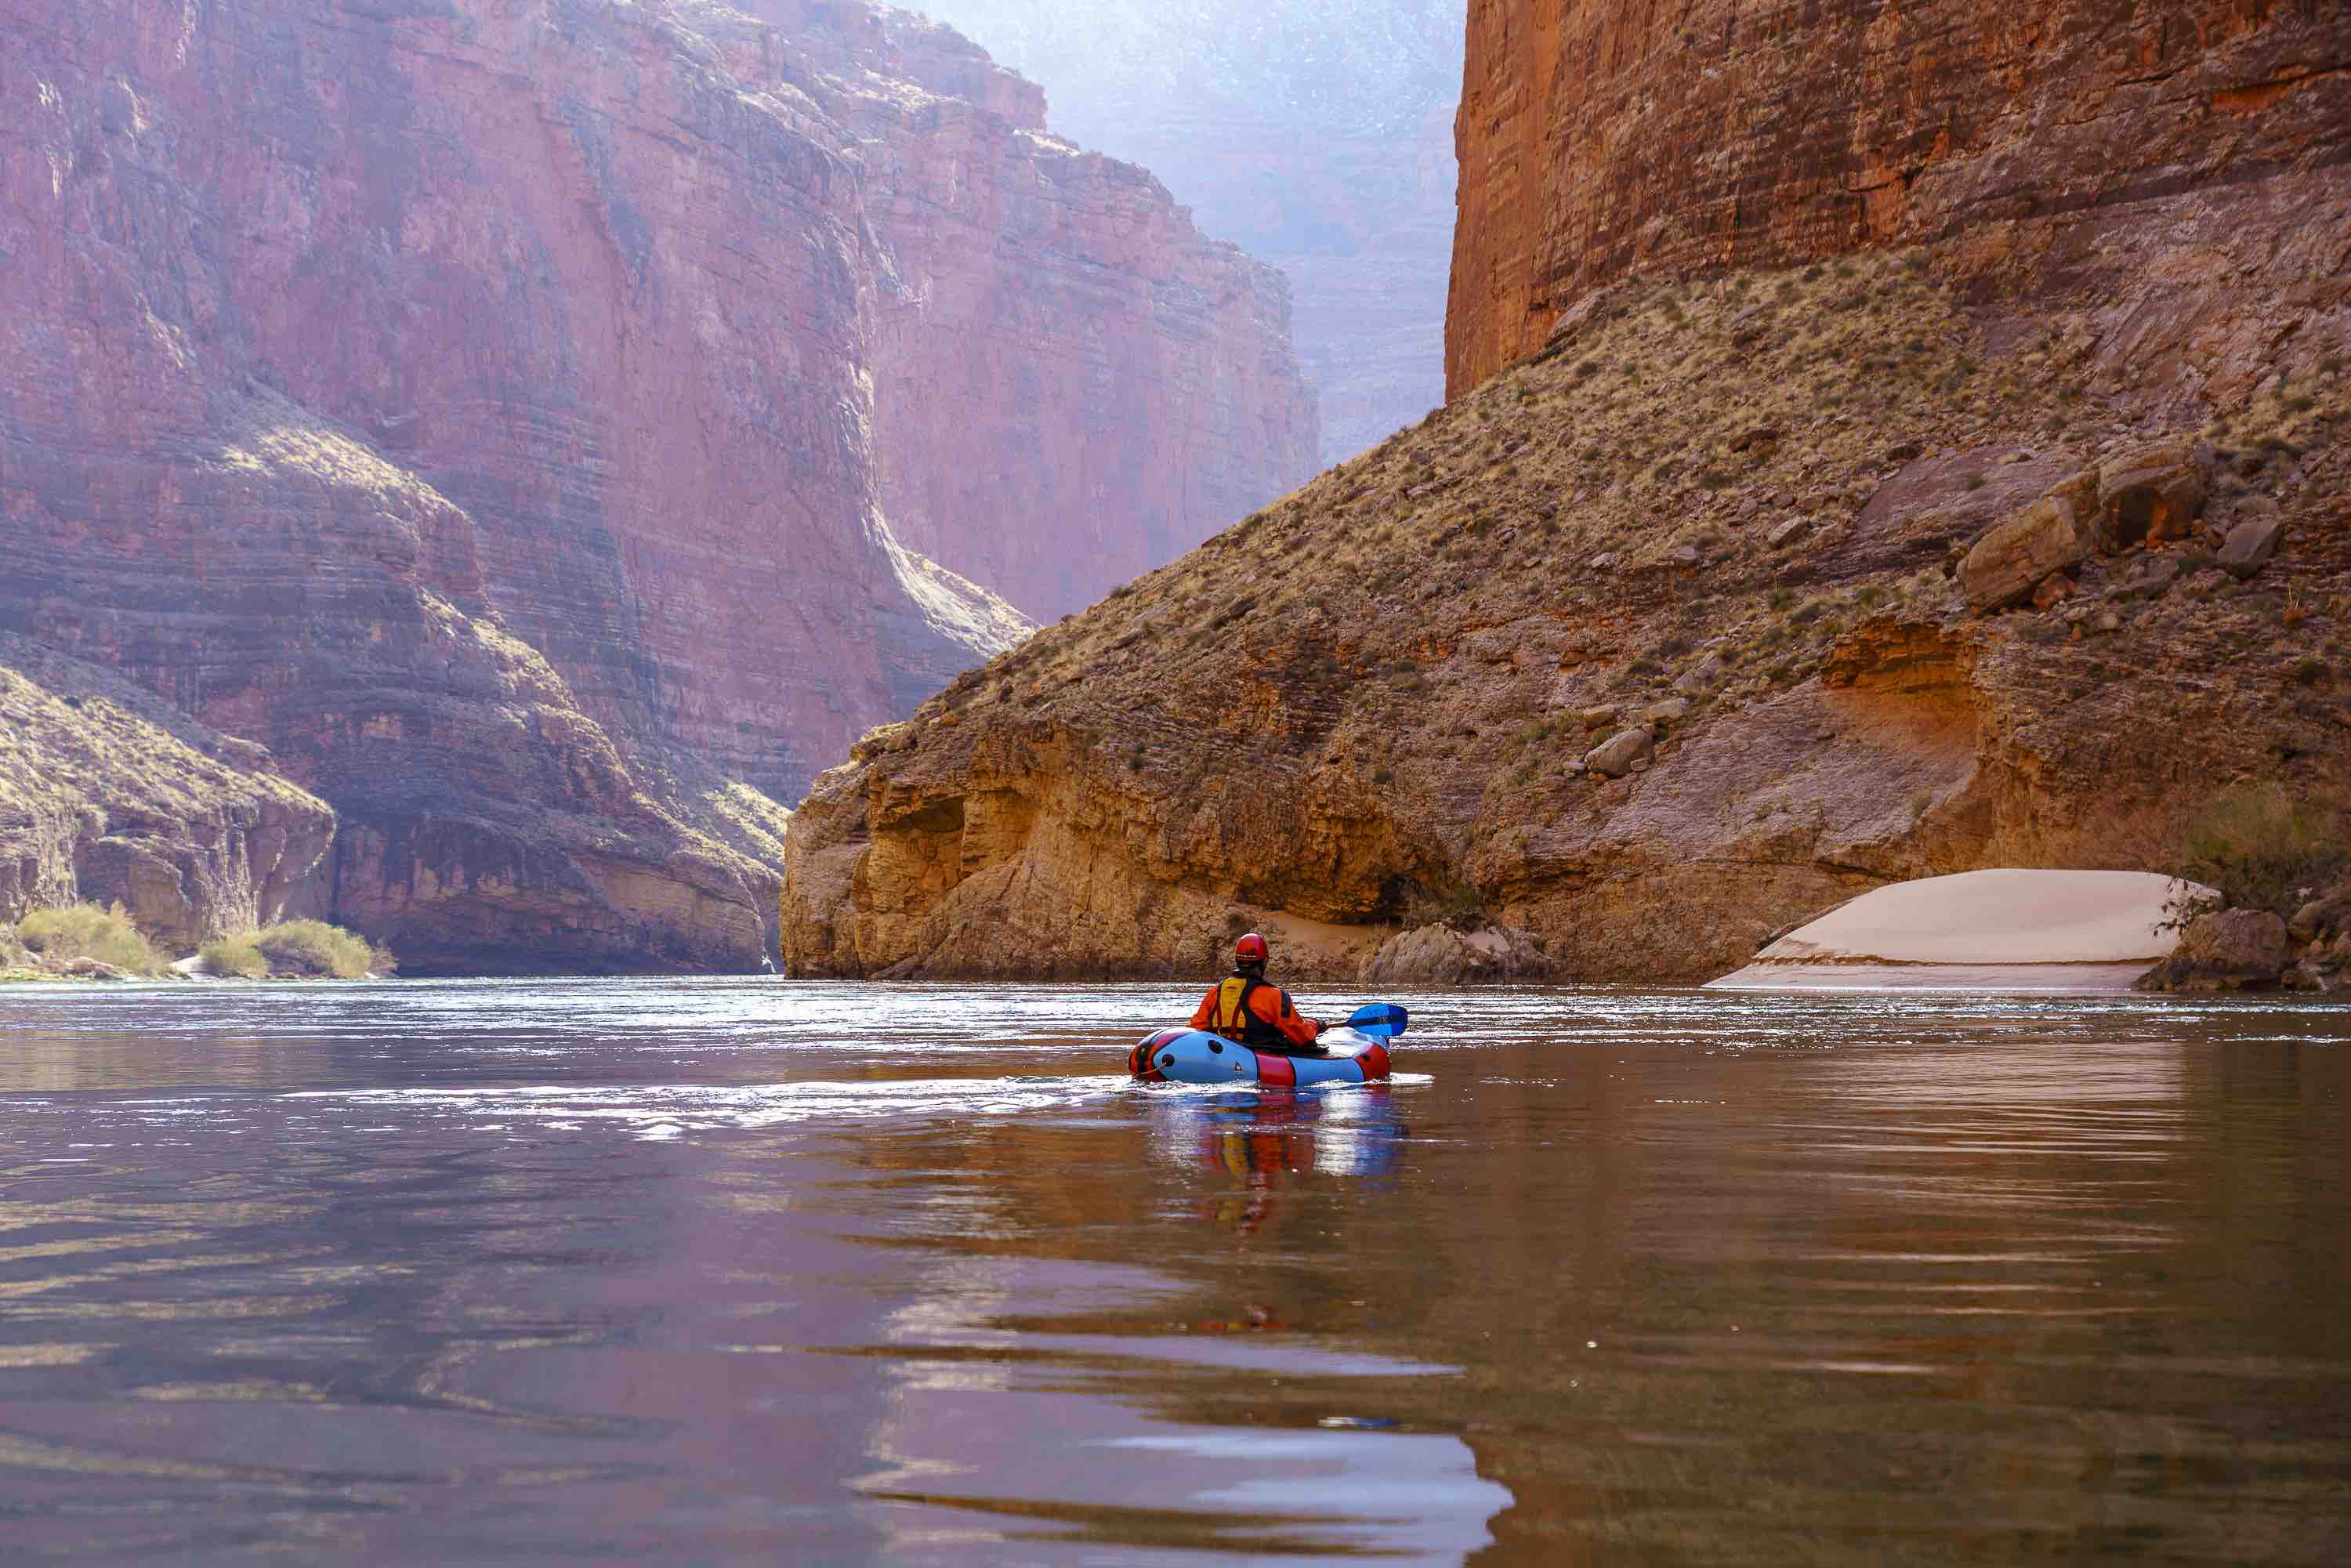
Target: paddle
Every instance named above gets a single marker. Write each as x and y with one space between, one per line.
1380 1020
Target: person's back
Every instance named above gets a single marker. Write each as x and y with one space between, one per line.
1246 1008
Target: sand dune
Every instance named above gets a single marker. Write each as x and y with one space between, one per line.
2096 930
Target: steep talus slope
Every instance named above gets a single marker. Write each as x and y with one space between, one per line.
476 406
1316 133
1650 647
1602 140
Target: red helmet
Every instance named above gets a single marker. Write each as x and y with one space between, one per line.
1249 949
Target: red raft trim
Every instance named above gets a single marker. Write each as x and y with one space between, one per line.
1276 1072
1372 1061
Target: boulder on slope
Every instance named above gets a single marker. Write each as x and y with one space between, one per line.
2230 950
1440 956
2016 558
1614 756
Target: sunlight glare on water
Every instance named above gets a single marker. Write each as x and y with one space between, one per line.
757 1272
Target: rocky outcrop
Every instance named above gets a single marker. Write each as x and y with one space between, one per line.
1440 956
1398 730
478 406
1318 135
1599 142
2229 950
2321 931
108 796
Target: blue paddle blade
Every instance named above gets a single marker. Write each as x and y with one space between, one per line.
1380 1020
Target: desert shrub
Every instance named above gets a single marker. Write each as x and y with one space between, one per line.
2260 847
234 955
85 931
313 947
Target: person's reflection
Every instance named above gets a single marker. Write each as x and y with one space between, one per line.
1268 1138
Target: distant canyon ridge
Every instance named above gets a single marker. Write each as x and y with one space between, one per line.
465 467
1317 134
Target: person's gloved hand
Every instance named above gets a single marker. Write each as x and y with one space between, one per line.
1318 1027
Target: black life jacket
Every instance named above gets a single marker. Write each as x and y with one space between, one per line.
1234 1021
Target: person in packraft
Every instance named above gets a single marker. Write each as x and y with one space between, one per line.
1247 1010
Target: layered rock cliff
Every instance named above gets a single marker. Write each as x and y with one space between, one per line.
483 407
1735 598
1604 141
1318 135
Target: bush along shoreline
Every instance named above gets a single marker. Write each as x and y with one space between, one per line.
2280 867
88 942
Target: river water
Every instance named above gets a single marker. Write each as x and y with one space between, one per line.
759 1272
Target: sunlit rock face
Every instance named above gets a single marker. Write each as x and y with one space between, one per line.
484 407
1319 135
1601 139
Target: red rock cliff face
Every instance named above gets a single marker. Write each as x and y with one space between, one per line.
476 404
1602 140
1072 384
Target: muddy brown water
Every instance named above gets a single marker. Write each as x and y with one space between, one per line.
738 1272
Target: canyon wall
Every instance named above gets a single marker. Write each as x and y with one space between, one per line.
1999 535
476 406
1317 135
1601 140
1072 384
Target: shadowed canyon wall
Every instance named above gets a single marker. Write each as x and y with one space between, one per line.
1601 139
1890 441
1316 134
482 407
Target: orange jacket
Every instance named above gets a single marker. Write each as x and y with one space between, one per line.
1269 1004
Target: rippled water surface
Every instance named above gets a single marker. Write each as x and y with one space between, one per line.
757 1272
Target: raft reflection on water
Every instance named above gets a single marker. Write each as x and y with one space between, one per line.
1265 1137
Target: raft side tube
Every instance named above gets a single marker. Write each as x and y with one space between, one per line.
1195 1056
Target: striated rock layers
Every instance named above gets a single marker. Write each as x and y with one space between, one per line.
480 406
1605 140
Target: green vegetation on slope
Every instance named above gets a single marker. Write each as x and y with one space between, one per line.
66 942
298 948
60 937
2261 848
